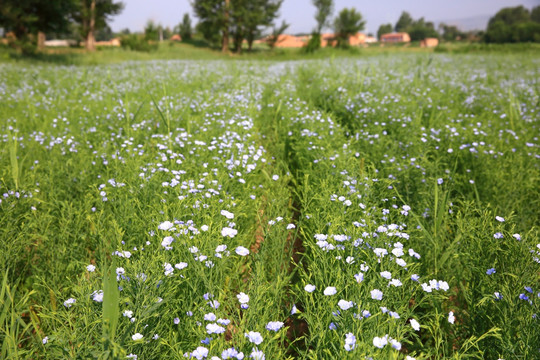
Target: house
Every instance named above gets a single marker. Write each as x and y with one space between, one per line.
370 40
395 38
60 43
291 41
329 39
176 37
429 42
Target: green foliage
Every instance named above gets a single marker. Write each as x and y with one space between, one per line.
138 42
515 24
404 22
347 23
313 44
384 29
151 31
323 16
184 29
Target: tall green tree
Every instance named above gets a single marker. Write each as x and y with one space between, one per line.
237 19
28 17
384 29
421 29
347 23
535 14
323 16
184 28
93 15
214 21
404 22
515 24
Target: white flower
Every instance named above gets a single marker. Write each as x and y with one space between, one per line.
69 302
204 228
200 353
166 225
415 325
376 294
500 219
359 277
275 177
294 310
350 341
242 251
345 305
167 241
137 337
254 337
227 214
380 342
128 314
97 296
274 325
395 344
227 231
181 265
386 274
243 298
256 354
214 329
210 317
309 288
291 226
91 268
451 317
329 291
45 340
120 271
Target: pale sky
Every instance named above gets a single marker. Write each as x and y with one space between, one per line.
299 13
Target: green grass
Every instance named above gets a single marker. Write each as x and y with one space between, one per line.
389 164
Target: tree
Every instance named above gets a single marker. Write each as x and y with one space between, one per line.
239 19
151 31
421 29
93 15
451 32
384 29
26 18
184 29
347 23
404 22
325 8
515 24
535 14
213 18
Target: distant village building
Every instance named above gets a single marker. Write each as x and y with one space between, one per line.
60 43
291 41
395 38
429 42
176 37
329 39
370 39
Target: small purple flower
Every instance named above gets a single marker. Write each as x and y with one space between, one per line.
491 271
498 235
523 297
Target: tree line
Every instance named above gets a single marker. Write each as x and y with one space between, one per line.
229 24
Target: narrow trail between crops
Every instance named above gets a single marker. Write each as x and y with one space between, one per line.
293 248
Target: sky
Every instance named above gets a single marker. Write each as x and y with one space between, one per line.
468 14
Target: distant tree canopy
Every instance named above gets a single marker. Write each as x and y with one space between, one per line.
404 22
451 32
220 20
347 23
417 29
516 24
27 17
185 28
384 29
325 8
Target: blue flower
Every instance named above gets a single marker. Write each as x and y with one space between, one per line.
491 271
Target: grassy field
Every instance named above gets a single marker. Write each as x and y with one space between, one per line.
377 205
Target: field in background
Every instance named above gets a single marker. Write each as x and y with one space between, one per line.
199 50
367 206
